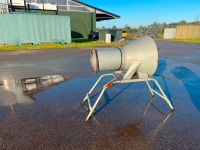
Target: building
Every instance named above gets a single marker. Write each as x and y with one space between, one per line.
169 33
83 17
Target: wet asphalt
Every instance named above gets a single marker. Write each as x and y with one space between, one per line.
41 93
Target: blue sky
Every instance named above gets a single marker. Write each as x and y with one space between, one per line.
144 12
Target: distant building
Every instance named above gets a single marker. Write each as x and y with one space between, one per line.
169 33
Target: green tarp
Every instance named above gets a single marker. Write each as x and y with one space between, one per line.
33 28
82 23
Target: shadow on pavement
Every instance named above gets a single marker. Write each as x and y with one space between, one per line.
108 99
162 65
191 82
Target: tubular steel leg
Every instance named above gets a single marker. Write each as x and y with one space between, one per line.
95 104
150 89
96 83
163 96
87 97
153 92
92 108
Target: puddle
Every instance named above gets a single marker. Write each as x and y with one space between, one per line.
22 90
44 112
128 118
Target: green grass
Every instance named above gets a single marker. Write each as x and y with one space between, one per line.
197 40
82 40
187 40
75 43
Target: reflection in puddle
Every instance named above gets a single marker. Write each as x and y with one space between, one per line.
22 90
33 85
161 124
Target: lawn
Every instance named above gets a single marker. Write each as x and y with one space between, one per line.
75 43
197 40
187 40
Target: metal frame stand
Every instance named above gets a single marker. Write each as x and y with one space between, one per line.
115 81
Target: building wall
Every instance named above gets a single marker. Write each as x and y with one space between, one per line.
82 23
188 31
29 28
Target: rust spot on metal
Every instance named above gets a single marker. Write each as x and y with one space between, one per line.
109 84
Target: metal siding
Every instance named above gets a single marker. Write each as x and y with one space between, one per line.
28 28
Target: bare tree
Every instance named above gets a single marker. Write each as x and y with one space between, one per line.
127 28
197 19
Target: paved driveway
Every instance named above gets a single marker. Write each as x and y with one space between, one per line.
40 103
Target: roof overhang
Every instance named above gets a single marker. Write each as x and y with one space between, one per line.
77 6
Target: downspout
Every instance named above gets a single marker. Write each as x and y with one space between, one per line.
11 6
25 5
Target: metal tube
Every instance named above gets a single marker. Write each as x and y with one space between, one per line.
95 104
105 59
142 50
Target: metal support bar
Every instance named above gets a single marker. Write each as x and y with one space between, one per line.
95 104
150 89
162 95
87 97
158 94
100 78
89 104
